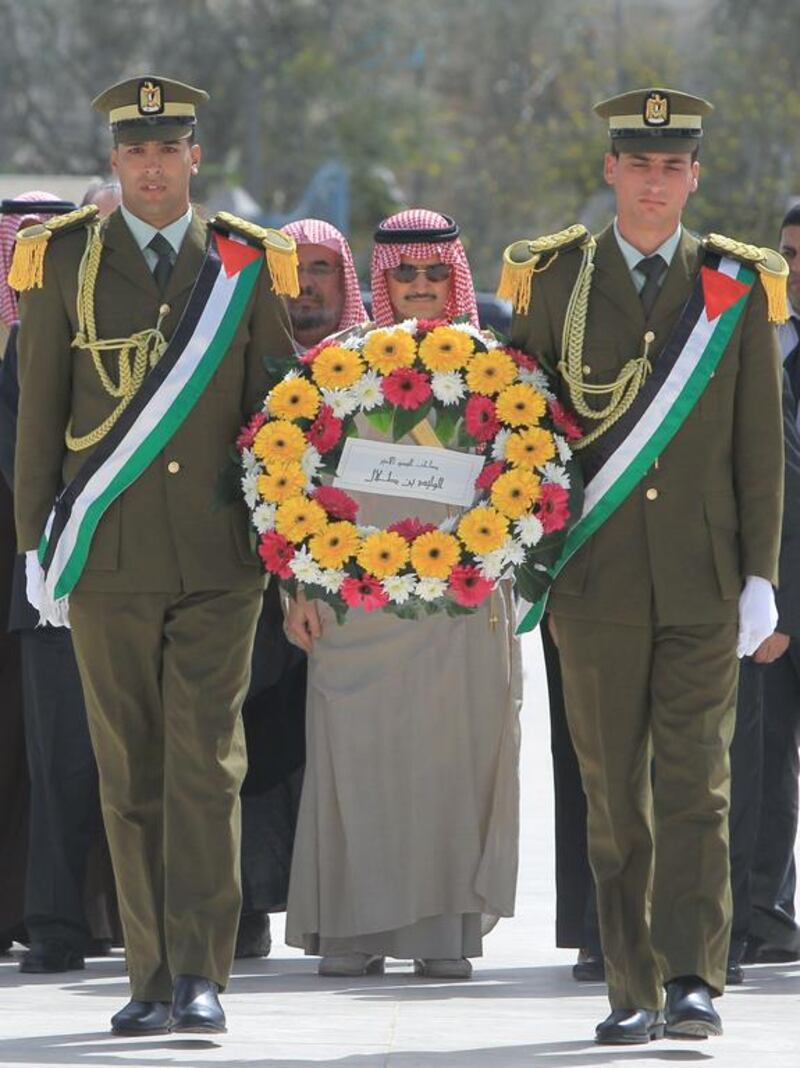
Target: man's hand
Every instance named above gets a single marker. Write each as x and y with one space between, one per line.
771 648
302 623
757 615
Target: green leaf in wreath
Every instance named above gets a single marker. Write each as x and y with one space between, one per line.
404 420
530 582
381 419
452 608
446 423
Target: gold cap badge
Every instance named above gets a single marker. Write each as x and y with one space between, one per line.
656 109
151 97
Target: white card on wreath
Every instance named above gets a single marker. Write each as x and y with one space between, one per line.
429 474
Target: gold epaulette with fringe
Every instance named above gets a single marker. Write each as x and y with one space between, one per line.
27 266
279 248
771 266
523 259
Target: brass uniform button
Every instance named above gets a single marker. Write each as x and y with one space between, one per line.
587 369
173 467
651 494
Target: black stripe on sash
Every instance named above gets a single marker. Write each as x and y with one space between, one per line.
609 442
153 381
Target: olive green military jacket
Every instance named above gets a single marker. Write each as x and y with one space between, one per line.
166 532
708 513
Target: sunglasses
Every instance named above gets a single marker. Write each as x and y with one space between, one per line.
407 272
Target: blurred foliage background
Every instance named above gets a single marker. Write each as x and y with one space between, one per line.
478 108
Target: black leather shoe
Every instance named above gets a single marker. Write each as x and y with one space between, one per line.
195 1005
689 1012
734 973
142 1018
253 938
51 955
589 968
629 1027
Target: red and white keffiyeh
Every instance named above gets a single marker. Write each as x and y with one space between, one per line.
461 300
317 232
9 225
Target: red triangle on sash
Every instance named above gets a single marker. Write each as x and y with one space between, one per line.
720 291
235 255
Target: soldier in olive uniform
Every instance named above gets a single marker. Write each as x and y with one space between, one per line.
646 612
164 610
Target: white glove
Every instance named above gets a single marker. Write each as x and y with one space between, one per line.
758 615
56 613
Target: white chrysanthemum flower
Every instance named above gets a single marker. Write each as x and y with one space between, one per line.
354 342
556 474
304 567
449 525
367 391
311 461
250 488
431 589
499 446
294 373
330 579
409 325
515 551
264 517
342 402
447 386
250 461
529 530
562 445
365 531
399 587
538 379
492 564
485 339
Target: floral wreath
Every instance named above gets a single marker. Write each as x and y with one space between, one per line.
478 394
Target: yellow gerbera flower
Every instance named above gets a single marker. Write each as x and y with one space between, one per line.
530 448
383 553
282 481
337 368
335 545
294 398
386 350
435 554
278 441
483 529
515 491
489 372
298 517
521 405
445 349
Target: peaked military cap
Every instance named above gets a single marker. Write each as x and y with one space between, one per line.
654 120
150 108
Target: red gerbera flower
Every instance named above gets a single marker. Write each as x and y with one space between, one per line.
406 388
485 479
311 354
326 430
248 433
411 528
336 503
468 587
564 420
424 326
277 553
365 592
552 507
480 418
522 359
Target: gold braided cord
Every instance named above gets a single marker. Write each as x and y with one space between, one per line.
623 390
136 354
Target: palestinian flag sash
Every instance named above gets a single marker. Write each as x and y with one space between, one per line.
682 371
168 394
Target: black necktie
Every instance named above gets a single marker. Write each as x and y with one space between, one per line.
652 267
163 267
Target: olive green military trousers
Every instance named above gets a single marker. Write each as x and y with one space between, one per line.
164 676
651 711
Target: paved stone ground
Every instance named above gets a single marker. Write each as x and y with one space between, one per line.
522 1007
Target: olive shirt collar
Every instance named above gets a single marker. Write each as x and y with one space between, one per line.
632 255
143 233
